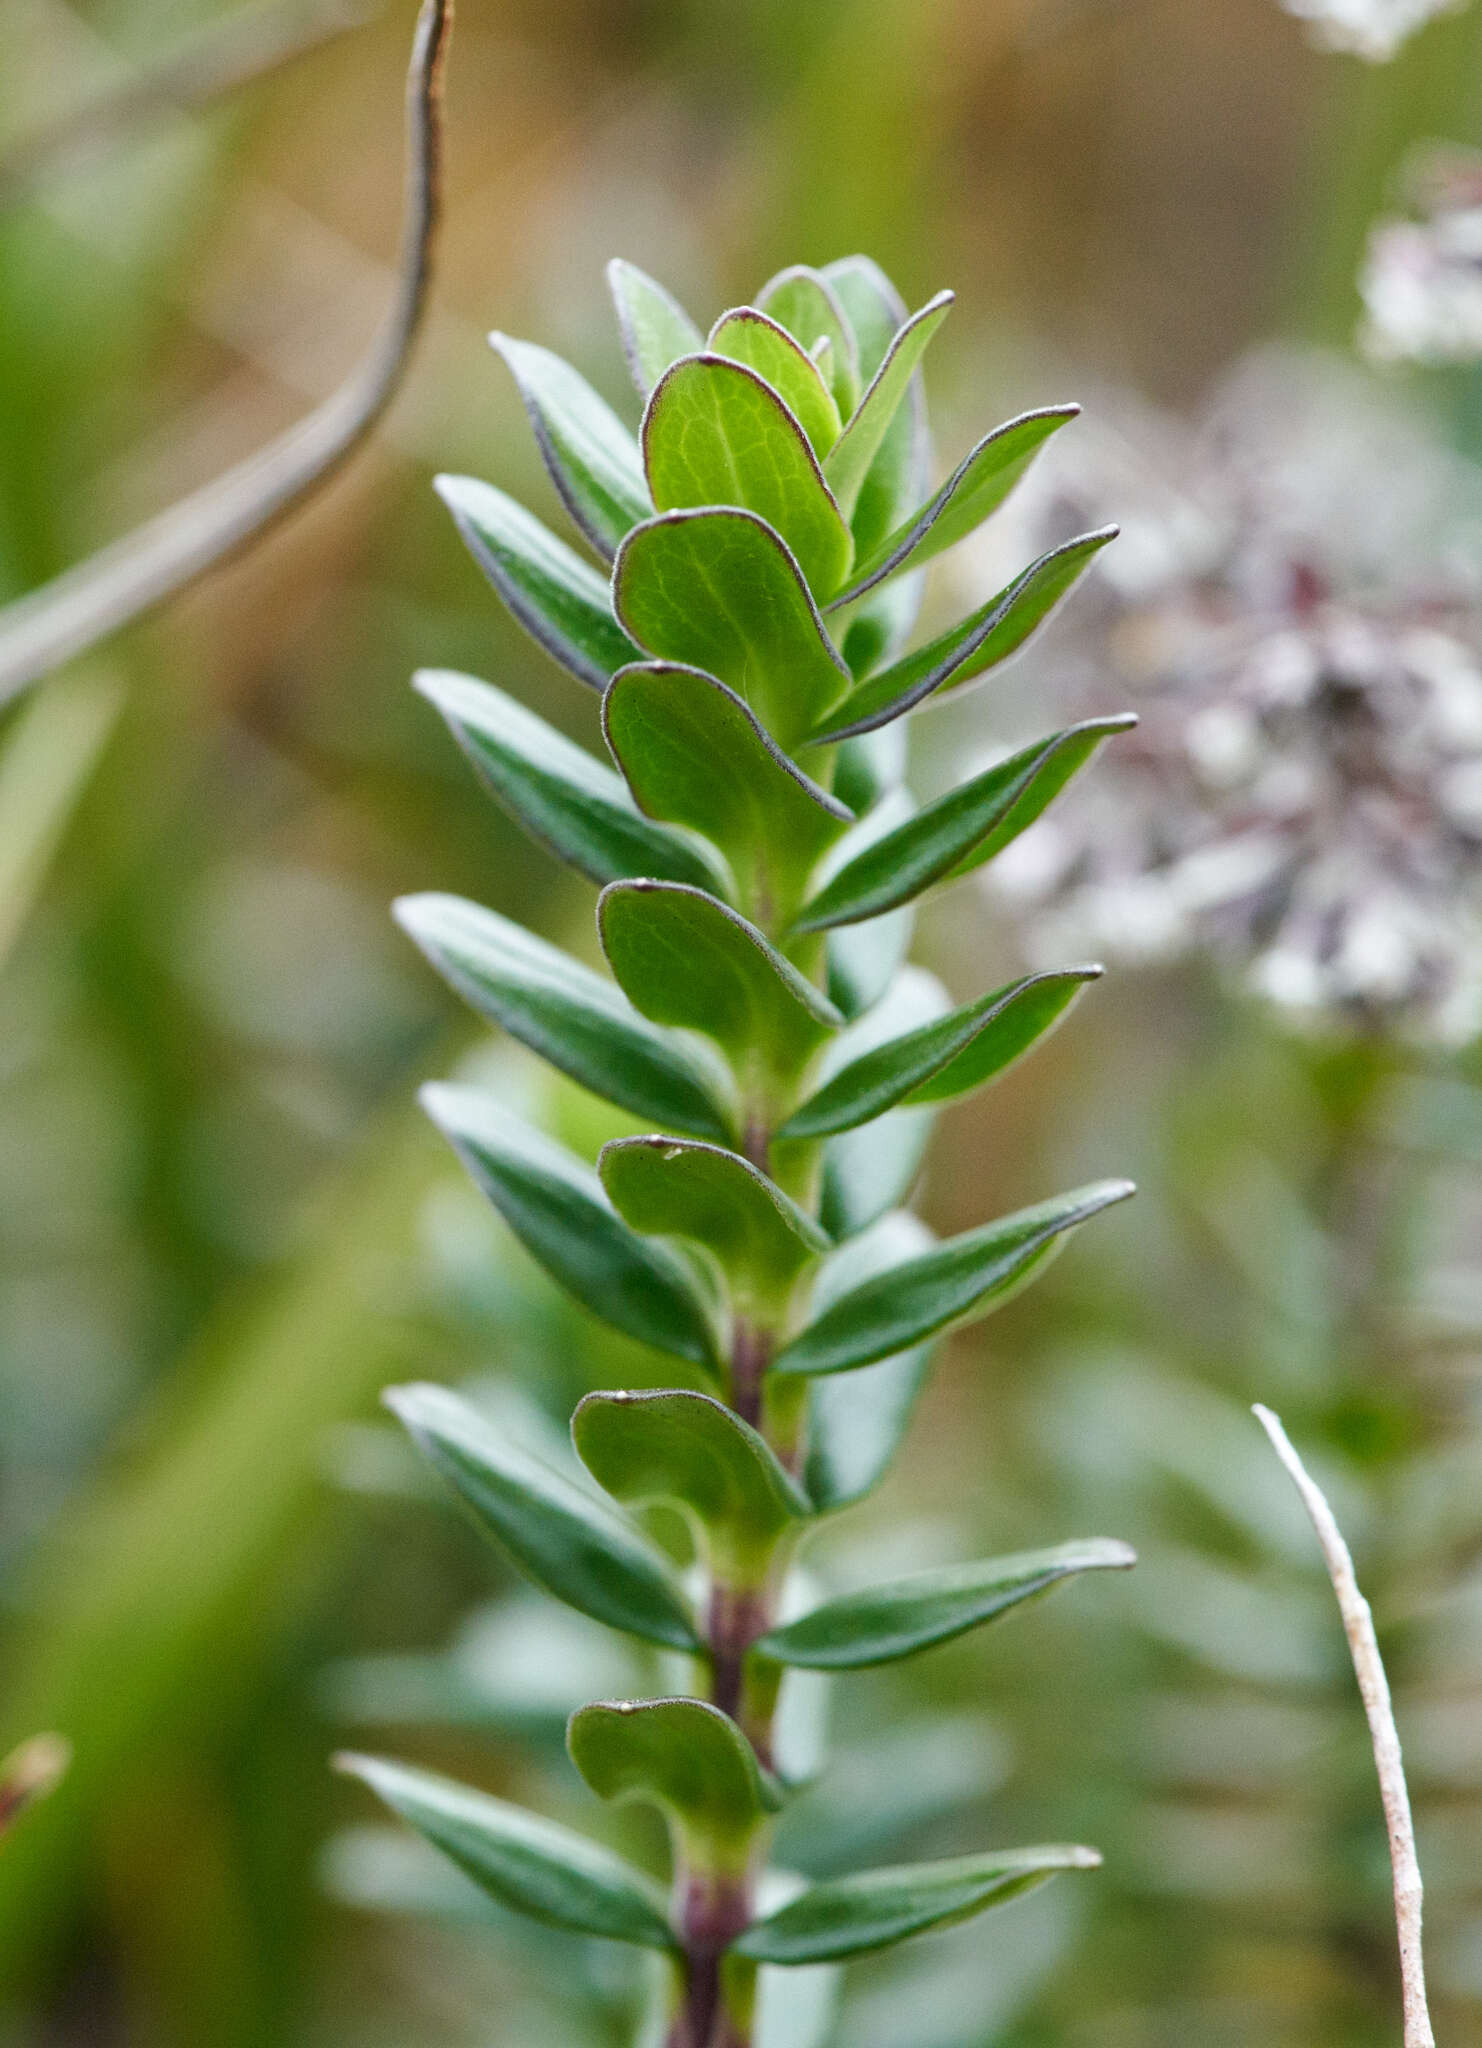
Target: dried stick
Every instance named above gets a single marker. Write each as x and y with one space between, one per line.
208 63
130 576
1358 1626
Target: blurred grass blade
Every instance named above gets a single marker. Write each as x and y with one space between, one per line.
204 65
47 757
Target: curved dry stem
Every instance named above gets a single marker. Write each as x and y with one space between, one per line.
1358 1626
130 576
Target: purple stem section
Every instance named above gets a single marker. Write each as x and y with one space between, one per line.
713 1910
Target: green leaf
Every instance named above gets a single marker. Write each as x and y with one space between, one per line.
899 477
683 1756
960 830
718 590
872 1169
806 304
689 1450
559 600
549 1873
955 1282
716 433
655 328
556 1207
684 959
593 460
576 1545
694 754
747 335
714 1198
570 1016
575 806
869 767
986 638
883 1623
856 1420
942 1058
976 488
849 461
850 1916
863 961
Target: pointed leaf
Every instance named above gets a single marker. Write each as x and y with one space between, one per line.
556 1207
960 830
987 637
669 1188
943 1058
882 1623
574 1544
575 806
683 1756
806 304
976 488
850 1916
856 1420
684 959
716 433
532 1866
655 328
955 1282
559 600
899 477
719 591
575 1019
694 754
849 460
687 1449
593 460
747 335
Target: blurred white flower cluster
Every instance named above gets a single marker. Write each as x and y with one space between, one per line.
1369 28
1422 275
1294 612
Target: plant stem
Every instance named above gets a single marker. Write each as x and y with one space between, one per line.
751 1353
1358 1626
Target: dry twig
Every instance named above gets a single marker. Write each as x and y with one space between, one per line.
1358 1626
130 576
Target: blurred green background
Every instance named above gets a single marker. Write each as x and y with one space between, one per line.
222 1226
